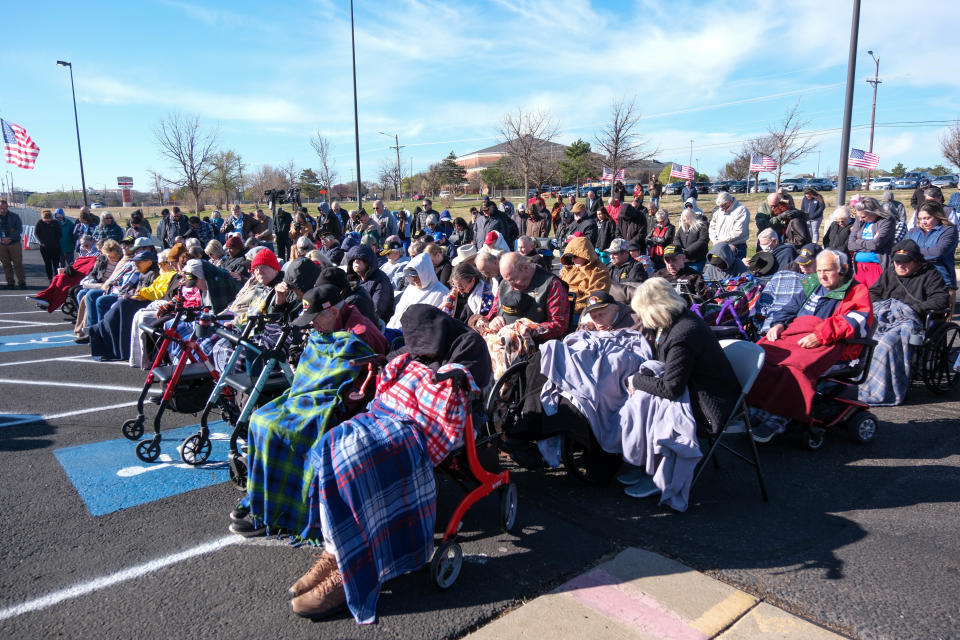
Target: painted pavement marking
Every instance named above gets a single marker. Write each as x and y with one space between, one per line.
28 341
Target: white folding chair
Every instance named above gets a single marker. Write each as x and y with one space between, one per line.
746 358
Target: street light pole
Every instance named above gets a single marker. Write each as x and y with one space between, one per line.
396 140
873 113
356 123
848 105
76 122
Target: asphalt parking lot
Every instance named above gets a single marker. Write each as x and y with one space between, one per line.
861 539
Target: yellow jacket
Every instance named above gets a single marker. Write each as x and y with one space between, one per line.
158 288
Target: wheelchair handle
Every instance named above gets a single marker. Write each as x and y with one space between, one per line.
372 358
226 334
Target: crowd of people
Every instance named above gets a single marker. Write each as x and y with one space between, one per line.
594 297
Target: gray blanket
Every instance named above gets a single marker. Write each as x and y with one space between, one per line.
890 372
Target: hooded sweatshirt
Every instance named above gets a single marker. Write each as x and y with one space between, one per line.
375 281
428 331
429 292
726 252
587 279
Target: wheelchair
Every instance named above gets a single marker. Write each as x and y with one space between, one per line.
70 304
835 402
936 352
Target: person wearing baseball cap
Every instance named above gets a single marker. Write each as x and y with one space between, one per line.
806 260
393 250
603 313
300 276
622 267
912 280
324 310
109 335
686 281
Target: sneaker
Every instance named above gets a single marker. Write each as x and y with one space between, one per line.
630 474
240 513
765 431
246 529
642 489
323 600
325 564
82 340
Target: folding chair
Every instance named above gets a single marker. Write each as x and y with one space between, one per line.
746 358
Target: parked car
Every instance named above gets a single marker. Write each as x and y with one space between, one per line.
881 183
766 186
673 189
702 187
945 182
911 179
720 185
446 193
97 205
738 186
794 184
820 184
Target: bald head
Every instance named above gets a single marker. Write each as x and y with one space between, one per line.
488 263
517 270
773 198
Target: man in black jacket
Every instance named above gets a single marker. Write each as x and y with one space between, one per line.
632 223
622 267
583 222
912 280
420 219
686 281
281 231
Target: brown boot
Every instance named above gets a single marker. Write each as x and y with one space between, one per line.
326 562
323 600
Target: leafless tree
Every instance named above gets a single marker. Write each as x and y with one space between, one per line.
739 167
225 178
158 182
387 176
524 134
191 149
619 141
786 142
324 149
950 145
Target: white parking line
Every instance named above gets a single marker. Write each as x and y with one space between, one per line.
60 359
79 385
32 323
18 313
132 573
55 416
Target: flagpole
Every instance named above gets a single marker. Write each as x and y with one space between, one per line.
848 105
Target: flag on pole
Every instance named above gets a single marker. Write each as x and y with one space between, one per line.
863 159
760 162
20 149
621 174
607 174
681 171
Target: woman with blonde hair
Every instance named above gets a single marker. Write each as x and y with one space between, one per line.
693 237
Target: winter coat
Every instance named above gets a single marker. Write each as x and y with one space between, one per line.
924 290
813 208
732 225
836 237
694 242
882 243
48 234
375 281
495 222
660 237
429 292
630 271
587 225
797 232
111 231
430 331
67 244
726 252
632 224
606 232
938 247
538 224
582 281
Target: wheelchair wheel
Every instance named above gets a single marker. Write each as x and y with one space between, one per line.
505 401
69 306
508 507
938 357
813 438
133 429
862 427
446 564
195 449
148 450
238 471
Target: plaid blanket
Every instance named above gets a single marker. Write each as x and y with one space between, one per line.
890 371
781 289
374 489
719 310
284 431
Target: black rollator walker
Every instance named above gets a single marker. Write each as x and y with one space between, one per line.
273 374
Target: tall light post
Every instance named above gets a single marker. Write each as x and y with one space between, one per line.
76 122
873 114
356 123
848 104
396 145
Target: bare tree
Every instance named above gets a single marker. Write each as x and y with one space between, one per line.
739 167
225 177
950 145
387 176
158 182
327 172
289 174
524 135
190 149
786 143
621 144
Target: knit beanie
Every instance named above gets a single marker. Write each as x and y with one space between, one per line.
265 257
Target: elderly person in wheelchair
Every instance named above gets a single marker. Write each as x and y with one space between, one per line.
613 397
350 482
909 300
805 340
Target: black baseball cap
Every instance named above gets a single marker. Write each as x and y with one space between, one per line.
302 274
671 251
598 300
315 301
808 254
907 251
393 245
514 303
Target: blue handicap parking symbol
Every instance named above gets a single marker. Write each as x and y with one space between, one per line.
27 341
109 476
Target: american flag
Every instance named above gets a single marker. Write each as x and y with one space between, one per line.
760 162
863 159
607 174
20 149
681 171
621 174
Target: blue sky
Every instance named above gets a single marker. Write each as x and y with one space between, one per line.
443 74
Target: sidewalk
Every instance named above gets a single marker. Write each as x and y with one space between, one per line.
640 594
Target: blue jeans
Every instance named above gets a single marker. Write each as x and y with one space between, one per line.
655 200
92 295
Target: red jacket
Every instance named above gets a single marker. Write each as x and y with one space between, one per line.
852 318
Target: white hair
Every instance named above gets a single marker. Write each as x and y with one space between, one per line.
304 245
193 242
840 213
767 234
657 303
841 259
690 220
724 197
663 215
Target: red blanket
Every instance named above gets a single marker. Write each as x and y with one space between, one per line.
61 284
786 383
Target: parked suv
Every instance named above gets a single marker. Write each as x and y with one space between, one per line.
820 184
911 179
673 189
881 183
793 184
945 182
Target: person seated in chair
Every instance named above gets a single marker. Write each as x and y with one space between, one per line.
582 271
912 280
622 267
548 305
723 263
604 313
528 247
686 281
325 310
805 339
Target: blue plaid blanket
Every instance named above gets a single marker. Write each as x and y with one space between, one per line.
781 288
890 372
283 432
374 488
